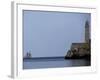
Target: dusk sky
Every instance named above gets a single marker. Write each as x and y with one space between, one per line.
50 34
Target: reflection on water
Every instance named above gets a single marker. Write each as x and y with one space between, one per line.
39 63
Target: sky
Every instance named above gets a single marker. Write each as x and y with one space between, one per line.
50 34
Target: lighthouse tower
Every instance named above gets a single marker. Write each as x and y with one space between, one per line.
87 32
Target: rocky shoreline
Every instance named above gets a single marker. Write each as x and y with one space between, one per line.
87 57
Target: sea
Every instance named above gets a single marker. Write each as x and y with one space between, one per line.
53 62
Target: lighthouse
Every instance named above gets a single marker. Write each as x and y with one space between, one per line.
87 32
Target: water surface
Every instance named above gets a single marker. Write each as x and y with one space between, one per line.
57 62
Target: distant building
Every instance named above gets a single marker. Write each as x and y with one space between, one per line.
28 55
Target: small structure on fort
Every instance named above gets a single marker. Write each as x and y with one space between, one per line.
81 50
